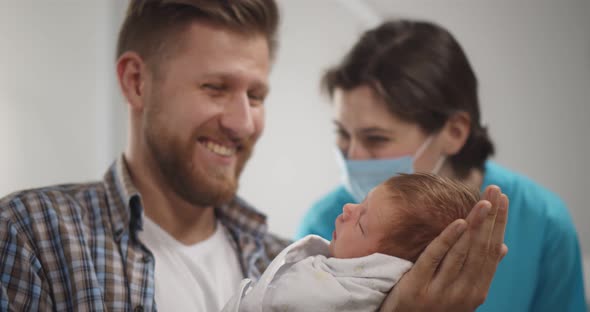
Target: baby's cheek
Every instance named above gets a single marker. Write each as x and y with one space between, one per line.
371 247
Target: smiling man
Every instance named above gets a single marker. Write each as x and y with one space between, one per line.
164 227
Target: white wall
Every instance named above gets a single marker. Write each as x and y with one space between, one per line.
56 91
294 161
62 120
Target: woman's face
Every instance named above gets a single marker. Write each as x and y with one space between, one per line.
366 129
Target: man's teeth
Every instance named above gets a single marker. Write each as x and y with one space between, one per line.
220 149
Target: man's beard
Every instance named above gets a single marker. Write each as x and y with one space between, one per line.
198 185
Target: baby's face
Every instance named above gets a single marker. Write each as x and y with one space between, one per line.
361 227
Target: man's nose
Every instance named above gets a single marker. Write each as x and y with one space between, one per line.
237 117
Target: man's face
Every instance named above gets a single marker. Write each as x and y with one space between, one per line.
204 111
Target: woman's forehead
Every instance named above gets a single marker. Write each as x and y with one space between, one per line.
360 108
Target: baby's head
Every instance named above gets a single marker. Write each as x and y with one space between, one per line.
401 216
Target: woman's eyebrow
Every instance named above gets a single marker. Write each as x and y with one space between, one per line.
374 130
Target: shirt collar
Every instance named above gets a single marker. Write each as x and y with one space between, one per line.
125 208
240 215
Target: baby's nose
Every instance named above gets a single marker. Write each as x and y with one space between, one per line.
347 211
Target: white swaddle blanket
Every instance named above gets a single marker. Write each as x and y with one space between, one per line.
303 278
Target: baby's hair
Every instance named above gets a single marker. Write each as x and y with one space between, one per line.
426 204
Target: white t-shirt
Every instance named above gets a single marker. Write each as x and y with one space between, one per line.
200 277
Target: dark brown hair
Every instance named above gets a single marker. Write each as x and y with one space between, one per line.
425 205
423 75
152 27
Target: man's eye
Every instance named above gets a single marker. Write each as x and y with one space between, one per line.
258 99
214 87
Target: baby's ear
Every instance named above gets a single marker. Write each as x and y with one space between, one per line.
455 133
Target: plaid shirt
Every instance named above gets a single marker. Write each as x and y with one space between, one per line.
74 247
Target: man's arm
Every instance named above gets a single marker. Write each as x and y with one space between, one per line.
20 286
455 271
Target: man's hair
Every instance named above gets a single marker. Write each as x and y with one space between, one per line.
422 74
152 28
425 205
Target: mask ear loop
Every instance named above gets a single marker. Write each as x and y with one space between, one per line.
439 163
421 150
423 147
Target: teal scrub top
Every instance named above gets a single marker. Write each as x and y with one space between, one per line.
542 271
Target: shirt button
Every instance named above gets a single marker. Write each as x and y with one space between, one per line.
118 235
138 308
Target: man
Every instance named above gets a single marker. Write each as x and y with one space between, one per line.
164 227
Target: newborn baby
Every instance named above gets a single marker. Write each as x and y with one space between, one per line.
374 244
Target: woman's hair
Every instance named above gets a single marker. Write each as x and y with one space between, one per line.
423 75
425 205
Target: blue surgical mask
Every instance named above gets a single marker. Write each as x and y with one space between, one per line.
361 176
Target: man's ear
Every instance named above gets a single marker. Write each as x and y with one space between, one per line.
455 133
132 74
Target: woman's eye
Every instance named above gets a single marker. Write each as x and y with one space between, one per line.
342 134
377 139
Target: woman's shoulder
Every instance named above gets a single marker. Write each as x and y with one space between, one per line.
329 206
527 197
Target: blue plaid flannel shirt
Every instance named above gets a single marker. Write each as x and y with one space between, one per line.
74 247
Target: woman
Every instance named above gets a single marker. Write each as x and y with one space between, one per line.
405 100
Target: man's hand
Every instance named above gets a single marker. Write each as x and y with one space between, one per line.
455 271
